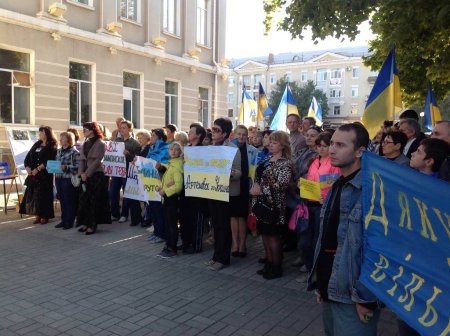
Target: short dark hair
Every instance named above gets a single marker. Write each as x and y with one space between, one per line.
409 114
413 124
129 124
436 149
325 137
171 127
311 120
225 125
199 130
160 133
398 138
362 136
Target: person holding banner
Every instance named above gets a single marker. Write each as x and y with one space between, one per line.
172 186
348 307
93 206
69 157
220 211
239 204
117 183
38 197
273 176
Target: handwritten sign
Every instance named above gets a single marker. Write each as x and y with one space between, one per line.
309 189
149 180
114 163
132 188
207 171
54 167
407 243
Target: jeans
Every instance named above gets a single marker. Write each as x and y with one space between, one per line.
66 194
117 183
157 212
341 319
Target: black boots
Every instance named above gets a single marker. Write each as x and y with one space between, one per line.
270 271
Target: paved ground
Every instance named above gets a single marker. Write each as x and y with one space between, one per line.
55 282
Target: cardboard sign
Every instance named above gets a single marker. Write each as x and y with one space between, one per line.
114 163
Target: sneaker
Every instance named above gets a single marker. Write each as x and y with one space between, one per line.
162 251
166 254
158 240
151 237
59 225
114 219
217 266
122 219
209 262
303 269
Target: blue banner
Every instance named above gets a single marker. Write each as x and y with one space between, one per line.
407 243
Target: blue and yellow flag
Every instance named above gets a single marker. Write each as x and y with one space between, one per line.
385 98
287 106
432 112
247 112
263 106
315 111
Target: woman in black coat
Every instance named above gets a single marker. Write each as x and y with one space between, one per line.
38 198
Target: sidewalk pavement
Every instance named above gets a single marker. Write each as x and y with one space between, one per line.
55 282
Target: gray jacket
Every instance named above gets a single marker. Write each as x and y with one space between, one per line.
235 180
402 160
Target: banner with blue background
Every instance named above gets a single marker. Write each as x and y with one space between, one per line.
407 243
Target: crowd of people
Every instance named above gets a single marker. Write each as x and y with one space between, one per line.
317 229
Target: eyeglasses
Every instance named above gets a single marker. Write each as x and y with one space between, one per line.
216 130
384 142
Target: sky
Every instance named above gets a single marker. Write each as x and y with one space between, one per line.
245 34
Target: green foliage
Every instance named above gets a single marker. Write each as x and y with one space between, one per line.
420 31
302 95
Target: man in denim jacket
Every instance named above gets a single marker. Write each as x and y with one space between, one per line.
348 307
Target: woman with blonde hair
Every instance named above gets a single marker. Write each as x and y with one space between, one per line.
182 138
269 200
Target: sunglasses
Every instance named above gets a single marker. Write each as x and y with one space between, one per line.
216 130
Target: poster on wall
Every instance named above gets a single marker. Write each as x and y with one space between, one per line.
21 139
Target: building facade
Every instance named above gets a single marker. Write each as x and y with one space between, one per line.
339 73
65 62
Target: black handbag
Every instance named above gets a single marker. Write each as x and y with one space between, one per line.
265 212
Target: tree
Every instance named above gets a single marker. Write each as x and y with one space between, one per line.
302 95
419 30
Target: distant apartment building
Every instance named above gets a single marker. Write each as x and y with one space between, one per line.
339 73
65 62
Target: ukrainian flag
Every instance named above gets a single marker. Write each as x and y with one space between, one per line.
432 112
263 106
287 106
385 98
315 111
247 111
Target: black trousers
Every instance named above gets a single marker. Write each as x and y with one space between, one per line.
192 222
220 219
171 221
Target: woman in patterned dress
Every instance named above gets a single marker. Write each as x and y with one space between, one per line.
272 179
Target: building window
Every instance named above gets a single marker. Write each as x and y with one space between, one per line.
230 98
247 80
354 109
203 106
335 76
337 110
288 77
335 92
258 79
273 79
355 91
171 16
130 9
321 75
171 102
80 93
304 76
131 97
89 3
15 86
355 72
202 22
230 113
231 81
